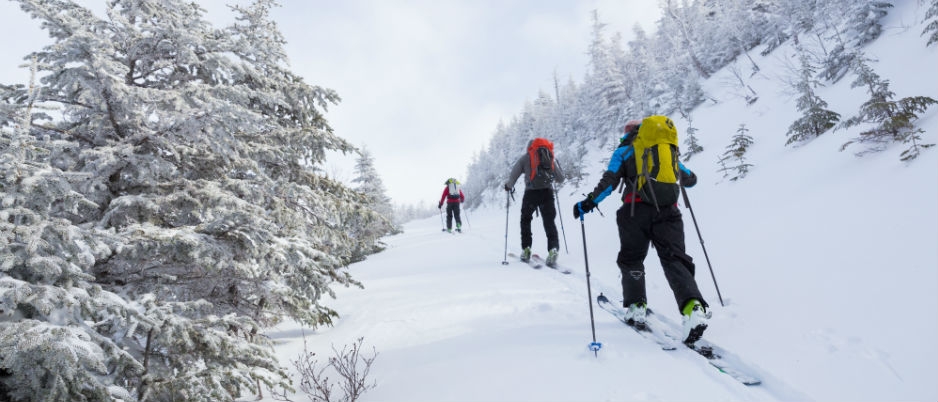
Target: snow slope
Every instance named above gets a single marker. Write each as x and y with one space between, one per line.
826 262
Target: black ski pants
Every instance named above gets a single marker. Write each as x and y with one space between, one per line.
539 200
665 229
452 210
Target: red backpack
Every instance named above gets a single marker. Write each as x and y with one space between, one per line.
541 154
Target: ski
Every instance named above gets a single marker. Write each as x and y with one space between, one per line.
542 261
648 332
666 334
717 356
530 262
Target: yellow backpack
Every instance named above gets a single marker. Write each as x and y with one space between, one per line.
656 160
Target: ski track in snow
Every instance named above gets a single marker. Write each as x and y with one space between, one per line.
474 296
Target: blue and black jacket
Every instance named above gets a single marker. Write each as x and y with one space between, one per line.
622 168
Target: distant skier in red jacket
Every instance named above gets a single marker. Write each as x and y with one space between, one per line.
453 196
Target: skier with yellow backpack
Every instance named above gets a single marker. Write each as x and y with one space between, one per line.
646 163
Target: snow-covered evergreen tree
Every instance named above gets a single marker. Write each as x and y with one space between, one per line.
693 146
607 91
863 18
837 63
567 142
55 323
685 19
932 26
893 120
369 228
639 74
179 172
774 30
733 161
816 119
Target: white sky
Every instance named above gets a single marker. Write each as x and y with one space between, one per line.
826 262
423 82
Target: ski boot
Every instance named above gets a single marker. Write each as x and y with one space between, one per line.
552 258
635 315
695 317
526 254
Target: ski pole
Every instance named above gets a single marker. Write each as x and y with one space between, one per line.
442 222
507 204
694 218
595 346
560 215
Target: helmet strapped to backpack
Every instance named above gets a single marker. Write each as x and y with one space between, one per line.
541 154
453 186
656 160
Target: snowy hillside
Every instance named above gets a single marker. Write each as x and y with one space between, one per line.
827 264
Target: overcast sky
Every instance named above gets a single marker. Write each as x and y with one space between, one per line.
423 82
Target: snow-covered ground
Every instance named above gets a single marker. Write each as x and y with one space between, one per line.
827 264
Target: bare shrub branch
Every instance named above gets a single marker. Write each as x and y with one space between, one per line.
348 363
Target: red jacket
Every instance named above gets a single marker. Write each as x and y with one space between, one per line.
453 199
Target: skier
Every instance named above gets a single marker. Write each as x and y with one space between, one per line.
639 221
453 196
540 170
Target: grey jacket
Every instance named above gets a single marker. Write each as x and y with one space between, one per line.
541 181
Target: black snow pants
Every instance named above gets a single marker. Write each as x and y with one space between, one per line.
542 200
665 229
452 210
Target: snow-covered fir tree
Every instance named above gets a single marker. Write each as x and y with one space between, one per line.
857 26
733 161
574 151
863 20
892 120
172 200
370 228
693 147
932 15
608 91
55 323
816 119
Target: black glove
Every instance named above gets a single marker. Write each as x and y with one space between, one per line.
586 206
688 180
440 206
507 188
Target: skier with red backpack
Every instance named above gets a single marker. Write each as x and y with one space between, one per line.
647 162
453 196
540 171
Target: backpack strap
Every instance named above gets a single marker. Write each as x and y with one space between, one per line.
648 153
